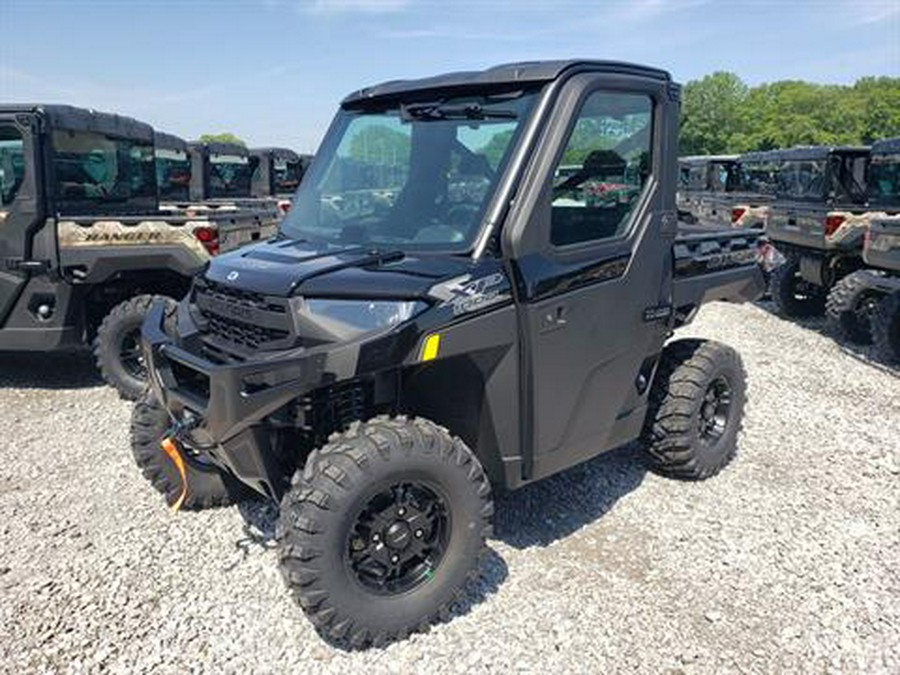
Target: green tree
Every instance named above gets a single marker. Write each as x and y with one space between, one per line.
721 115
711 113
379 144
224 137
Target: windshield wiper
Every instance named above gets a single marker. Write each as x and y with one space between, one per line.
439 111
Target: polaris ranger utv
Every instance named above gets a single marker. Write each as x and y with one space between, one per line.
706 182
863 306
444 313
84 247
755 189
817 222
277 172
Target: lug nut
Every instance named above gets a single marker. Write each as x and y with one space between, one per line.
395 558
418 534
375 537
401 511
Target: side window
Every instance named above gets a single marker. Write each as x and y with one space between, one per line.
12 164
603 169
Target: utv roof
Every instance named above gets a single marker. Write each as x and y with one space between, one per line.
889 146
217 148
526 72
761 156
278 153
85 119
164 141
813 152
702 159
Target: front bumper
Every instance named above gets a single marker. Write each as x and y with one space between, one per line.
219 409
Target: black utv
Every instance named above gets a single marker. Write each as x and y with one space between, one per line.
173 167
445 313
277 172
84 246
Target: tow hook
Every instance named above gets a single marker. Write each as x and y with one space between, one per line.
172 448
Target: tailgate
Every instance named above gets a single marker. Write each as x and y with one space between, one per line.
714 210
239 228
882 249
797 224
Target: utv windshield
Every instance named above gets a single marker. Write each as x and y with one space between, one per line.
723 176
415 176
229 176
884 180
758 177
93 170
802 179
173 174
286 175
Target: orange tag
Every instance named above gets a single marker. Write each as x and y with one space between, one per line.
171 449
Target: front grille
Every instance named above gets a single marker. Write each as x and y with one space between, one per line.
240 333
241 318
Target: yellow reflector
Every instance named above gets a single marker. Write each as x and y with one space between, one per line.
432 345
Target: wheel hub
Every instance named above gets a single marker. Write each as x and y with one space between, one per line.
398 535
399 538
715 410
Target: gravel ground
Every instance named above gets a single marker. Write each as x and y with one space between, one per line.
788 561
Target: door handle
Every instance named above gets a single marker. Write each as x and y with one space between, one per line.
553 319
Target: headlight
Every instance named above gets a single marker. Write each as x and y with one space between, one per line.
348 318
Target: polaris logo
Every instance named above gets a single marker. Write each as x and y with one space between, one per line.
233 275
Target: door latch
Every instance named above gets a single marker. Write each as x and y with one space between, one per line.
21 265
553 319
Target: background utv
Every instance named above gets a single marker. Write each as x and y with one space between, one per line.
445 312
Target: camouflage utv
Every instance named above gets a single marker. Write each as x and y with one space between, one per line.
757 175
817 221
84 246
865 306
705 187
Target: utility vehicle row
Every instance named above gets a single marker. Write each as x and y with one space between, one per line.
99 215
832 213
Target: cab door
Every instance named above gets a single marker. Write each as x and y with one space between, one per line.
19 205
592 254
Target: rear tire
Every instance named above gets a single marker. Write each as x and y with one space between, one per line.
886 329
117 346
695 410
357 548
207 486
793 296
851 305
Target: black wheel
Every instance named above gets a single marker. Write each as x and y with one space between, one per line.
886 329
793 295
203 486
117 346
851 305
383 528
696 408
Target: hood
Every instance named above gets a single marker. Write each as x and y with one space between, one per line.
288 267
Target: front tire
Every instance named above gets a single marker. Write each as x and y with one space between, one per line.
695 410
206 485
117 346
383 528
886 329
793 296
851 305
